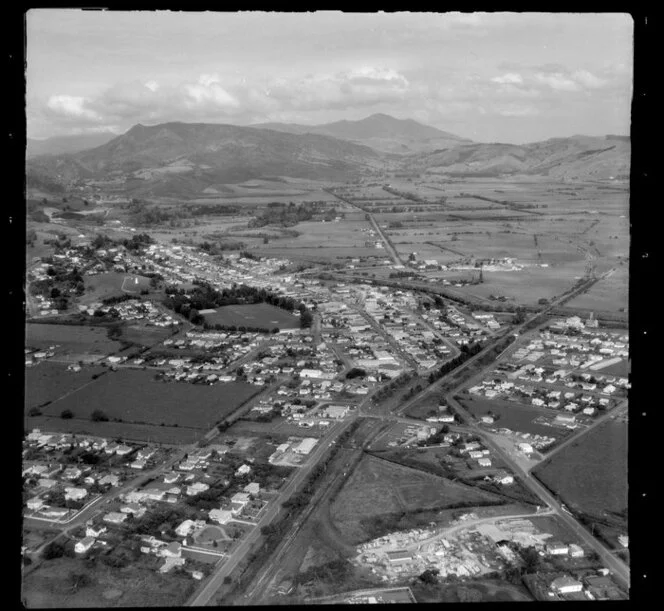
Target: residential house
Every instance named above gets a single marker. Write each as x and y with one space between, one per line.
84 545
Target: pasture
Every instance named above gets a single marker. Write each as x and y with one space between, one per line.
135 396
49 381
70 339
610 294
253 315
590 475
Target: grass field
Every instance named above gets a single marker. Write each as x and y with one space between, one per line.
378 487
49 586
591 474
513 416
253 315
49 381
71 339
112 284
135 396
610 294
117 430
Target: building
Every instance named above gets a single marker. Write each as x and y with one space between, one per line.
84 545
75 494
254 488
221 516
556 548
115 517
484 462
399 556
576 551
566 585
305 446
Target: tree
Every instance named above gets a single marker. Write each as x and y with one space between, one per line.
430 576
306 319
66 414
98 416
53 550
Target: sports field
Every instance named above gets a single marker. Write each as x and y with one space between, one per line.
253 315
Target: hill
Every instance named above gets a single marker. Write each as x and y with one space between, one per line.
381 132
575 158
59 145
183 159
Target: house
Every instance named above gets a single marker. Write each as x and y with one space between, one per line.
566 585
84 545
504 478
139 463
484 462
487 419
71 473
75 494
172 550
114 517
253 488
196 488
46 483
623 540
565 418
134 509
222 516
526 448
93 532
576 551
556 548
35 503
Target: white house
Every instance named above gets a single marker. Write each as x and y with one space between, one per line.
84 545
222 516
566 585
75 494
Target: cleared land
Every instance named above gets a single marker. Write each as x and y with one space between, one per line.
590 475
112 284
50 586
253 315
514 416
136 397
379 488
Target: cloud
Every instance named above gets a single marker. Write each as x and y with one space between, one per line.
557 81
71 106
509 78
587 79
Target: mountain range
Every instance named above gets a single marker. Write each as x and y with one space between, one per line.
186 159
381 132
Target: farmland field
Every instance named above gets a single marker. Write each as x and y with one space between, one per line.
49 381
253 315
591 474
71 339
610 294
136 397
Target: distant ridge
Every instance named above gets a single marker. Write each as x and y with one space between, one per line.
379 131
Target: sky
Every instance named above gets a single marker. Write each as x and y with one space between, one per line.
490 77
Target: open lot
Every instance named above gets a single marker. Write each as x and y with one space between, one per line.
136 397
514 416
590 475
610 294
379 489
50 586
253 315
